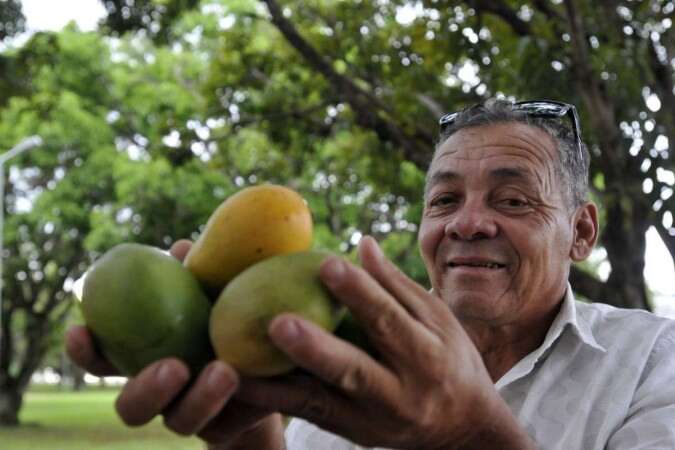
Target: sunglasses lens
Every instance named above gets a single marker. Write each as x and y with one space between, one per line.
542 108
448 119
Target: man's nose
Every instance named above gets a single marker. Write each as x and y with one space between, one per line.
471 222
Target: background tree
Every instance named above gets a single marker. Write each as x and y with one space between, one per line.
12 22
106 174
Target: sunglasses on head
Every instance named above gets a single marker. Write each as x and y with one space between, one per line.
538 109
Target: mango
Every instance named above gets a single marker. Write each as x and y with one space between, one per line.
254 224
142 305
243 311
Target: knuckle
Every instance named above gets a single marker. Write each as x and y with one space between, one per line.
420 418
316 406
386 324
354 379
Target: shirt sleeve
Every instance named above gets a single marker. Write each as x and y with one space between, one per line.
650 423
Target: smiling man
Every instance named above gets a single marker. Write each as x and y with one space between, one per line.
499 355
498 234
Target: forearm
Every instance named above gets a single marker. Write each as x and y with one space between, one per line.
268 436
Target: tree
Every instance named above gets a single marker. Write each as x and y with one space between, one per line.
97 181
44 249
153 16
12 20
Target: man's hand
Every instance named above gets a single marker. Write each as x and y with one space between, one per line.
202 405
429 389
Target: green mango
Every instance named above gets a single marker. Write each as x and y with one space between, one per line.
244 309
142 305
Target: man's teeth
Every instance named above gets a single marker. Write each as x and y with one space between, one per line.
487 265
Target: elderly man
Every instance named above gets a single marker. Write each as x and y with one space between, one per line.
498 355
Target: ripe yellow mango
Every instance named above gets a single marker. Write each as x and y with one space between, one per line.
241 315
143 305
254 224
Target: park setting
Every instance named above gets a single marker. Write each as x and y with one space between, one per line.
293 131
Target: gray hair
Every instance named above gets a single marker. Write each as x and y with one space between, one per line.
573 168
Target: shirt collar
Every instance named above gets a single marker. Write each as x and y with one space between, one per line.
568 318
578 324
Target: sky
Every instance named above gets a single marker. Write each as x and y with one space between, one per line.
54 15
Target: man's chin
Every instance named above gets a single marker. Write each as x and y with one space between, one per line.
477 304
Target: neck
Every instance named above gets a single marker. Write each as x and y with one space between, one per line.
503 345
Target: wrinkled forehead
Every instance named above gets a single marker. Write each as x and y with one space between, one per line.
511 145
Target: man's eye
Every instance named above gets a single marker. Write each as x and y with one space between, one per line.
444 200
513 203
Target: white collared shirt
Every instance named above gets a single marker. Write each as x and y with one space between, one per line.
604 378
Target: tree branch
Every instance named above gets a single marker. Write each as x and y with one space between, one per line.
602 115
663 85
501 9
545 7
368 108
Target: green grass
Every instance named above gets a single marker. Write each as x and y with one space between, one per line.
66 420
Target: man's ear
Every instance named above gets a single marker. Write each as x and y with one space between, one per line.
585 231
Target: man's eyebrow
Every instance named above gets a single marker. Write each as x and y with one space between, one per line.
503 173
512 173
443 176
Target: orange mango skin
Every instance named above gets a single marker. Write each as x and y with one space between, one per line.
254 224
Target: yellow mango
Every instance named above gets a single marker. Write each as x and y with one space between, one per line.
255 223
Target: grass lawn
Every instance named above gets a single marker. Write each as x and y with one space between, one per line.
66 420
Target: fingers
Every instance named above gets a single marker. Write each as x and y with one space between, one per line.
329 358
152 390
180 249
206 397
389 326
422 306
297 396
82 351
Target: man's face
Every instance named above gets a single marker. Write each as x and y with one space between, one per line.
496 234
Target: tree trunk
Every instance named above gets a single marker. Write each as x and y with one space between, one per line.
10 404
625 243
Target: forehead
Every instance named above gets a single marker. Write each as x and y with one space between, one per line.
471 151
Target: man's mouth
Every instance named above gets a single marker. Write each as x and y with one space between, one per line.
479 264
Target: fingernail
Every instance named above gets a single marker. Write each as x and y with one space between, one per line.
377 251
164 375
333 271
285 330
